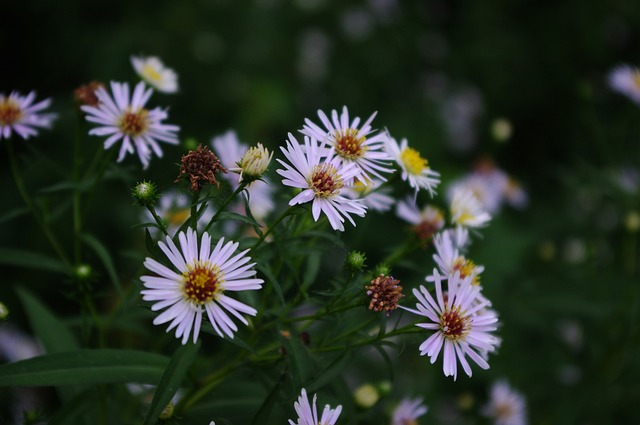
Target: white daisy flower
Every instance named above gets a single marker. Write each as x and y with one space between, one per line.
352 145
124 117
308 413
425 221
152 70
625 79
466 210
506 406
19 114
450 261
487 188
199 285
415 169
408 411
457 326
322 183
372 194
259 193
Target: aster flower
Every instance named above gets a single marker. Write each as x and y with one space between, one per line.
19 114
625 79
322 183
372 194
152 70
308 413
415 168
425 221
125 118
199 285
506 406
459 329
408 411
361 146
450 261
466 210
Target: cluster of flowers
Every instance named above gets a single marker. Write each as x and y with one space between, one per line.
341 168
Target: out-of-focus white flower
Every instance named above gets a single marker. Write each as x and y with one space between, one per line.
352 144
625 79
372 194
322 182
460 111
366 396
16 345
408 411
501 129
461 324
426 221
466 210
506 406
125 117
415 168
449 260
200 284
19 114
152 70
308 413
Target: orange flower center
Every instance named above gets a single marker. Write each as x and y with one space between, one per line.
202 282
325 180
454 325
134 123
10 112
349 143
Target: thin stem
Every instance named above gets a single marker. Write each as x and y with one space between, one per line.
273 226
27 200
194 211
209 382
240 188
77 217
158 220
98 178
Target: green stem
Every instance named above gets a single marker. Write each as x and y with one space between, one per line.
404 250
240 188
194 210
273 226
158 220
209 382
77 217
27 200
98 178
404 330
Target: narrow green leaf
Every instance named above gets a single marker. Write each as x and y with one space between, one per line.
300 362
311 270
105 257
329 373
51 331
264 412
226 215
17 212
29 259
171 380
265 269
85 367
386 358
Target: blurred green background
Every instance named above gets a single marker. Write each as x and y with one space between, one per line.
563 273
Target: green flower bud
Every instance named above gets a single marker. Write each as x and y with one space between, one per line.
145 193
355 260
4 311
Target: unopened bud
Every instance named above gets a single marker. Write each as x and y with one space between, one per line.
255 162
83 271
145 193
355 260
4 311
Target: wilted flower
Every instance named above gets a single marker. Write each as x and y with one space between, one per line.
200 166
385 293
125 117
152 70
408 411
625 79
308 413
17 113
506 406
86 94
200 284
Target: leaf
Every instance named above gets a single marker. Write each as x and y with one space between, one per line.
81 186
262 416
300 362
329 373
29 259
310 271
171 380
236 340
386 358
85 367
226 215
17 212
265 269
104 256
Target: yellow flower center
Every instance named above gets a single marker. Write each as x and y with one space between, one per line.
134 123
10 112
177 217
454 325
635 76
150 73
349 144
412 161
325 180
203 282
466 268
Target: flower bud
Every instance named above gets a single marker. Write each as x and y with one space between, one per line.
366 396
355 260
167 412
83 271
4 311
145 193
255 162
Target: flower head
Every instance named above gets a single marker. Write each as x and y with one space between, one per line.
408 411
152 70
385 293
308 413
425 221
125 118
460 323
322 182
450 261
198 283
360 146
200 166
466 210
415 168
625 79
19 114
506 406
254 162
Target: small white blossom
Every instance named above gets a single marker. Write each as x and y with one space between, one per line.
308 413
152 70
415 168
19 114
506 406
